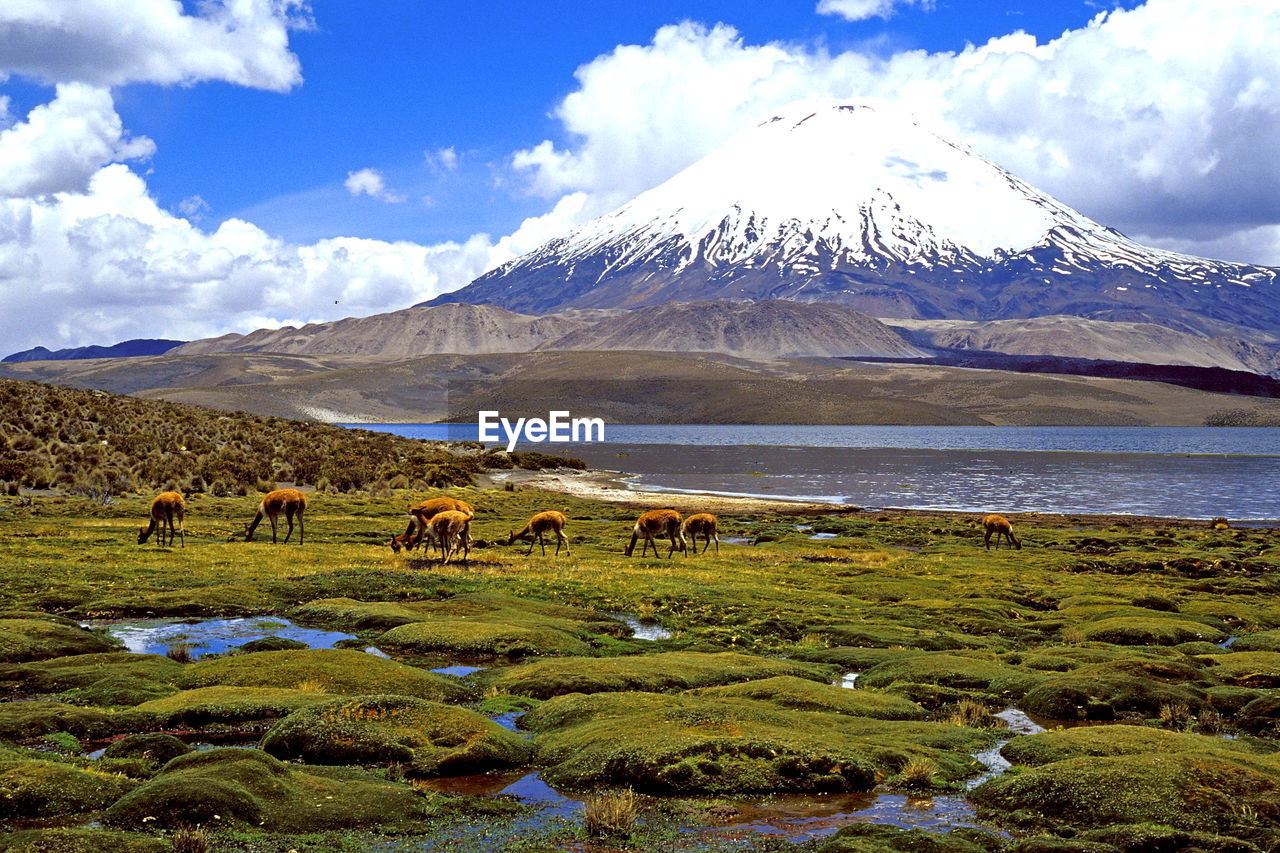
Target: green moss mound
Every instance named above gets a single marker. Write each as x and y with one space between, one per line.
877 838
800 694
1248 669
38 639
1261 715
1144 838
480 637
1048 747
699 744
46 789
430 738
152 747
1104 690
108 679
347 614
272 644
984 674
869 635
212 600
1263 641
665 671
223 705
21 721
337 671
849 658
227 787
1195 792
1147 631
80 841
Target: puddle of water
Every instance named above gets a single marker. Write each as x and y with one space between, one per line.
508 722
804 527
642 630
1018 721
736 540
849 680
211 636
1228 642
823 536
799 818
205 742
521 784
459 670
376 652
995 763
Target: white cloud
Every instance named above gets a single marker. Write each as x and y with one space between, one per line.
859 10
442 160
193 207
1158 120
112 42
117 266
61 144
370 182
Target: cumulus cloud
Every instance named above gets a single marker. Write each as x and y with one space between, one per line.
1156 120
109 264
113 42
62 144
859 10
370 182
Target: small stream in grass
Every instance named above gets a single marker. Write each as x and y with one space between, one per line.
210 636
792 816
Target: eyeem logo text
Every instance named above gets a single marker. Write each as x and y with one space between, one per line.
558 426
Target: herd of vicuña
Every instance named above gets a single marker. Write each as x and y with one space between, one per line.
445 525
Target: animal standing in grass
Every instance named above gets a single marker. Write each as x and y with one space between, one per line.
166 508
658 522
1001 528
451 529
291 502
543 523
420 514
701 524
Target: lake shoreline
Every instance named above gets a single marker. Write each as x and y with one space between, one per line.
613 487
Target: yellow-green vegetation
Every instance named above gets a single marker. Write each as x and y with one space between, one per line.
34 639
939 630
800 694
692 743
226 705
48 789
103 444
224 787
429 738
81 841
667 671
339 671
155 748
487 624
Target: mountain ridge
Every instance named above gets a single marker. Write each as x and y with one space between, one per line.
858 205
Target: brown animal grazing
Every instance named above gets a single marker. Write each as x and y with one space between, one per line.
451 529
1000 526
165 508
420 514
658 522
701 524
544 522
291 502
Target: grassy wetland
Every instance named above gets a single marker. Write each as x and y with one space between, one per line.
827 681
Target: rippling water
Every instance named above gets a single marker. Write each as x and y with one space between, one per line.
1186 472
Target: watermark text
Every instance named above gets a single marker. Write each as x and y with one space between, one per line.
558 427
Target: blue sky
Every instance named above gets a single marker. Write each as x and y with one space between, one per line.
181 170
385 82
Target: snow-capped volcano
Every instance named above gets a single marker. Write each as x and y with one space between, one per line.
863 205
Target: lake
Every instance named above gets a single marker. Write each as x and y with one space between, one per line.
1185 472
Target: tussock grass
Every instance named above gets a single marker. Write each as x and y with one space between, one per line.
611 815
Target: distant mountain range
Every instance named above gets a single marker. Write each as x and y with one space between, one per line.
124 349
765 329
861 206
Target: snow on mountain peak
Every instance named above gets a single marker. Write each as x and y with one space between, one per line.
865 179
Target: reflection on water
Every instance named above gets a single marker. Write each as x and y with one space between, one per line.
1017 721
212 636
806 817
459 670
643 630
